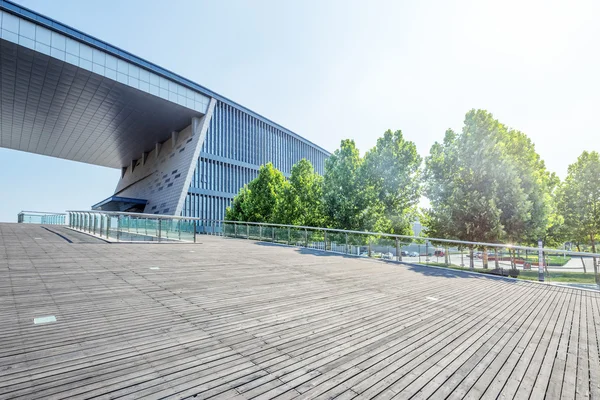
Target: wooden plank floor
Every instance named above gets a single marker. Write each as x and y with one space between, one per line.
237 319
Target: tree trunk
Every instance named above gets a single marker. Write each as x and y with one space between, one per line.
471 260
513 261
497 262
484 257
582 261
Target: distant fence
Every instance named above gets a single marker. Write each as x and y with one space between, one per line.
41 217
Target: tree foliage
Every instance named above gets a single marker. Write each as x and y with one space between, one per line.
378 192
487 184
302 199
342 190
579 199
256 202
390 174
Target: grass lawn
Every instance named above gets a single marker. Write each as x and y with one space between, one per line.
552 276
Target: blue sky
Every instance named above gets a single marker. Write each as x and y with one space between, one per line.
330 70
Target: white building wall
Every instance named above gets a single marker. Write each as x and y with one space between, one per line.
164 177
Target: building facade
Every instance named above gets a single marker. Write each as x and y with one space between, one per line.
182 149
236 145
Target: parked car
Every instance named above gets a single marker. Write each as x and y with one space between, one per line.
404 253
439 253
387 256
364 254
413 254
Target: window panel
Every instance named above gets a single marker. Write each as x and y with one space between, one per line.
10 23
26 29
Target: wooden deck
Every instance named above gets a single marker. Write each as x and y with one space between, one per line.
231 318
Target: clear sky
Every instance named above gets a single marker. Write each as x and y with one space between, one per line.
330 70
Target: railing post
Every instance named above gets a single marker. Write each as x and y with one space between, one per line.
398 252
346 249
325 240
235 229
540 261
194 227
260 232
305 238
247 231
118 227
289 236
179 229
101 225
159 228
273 234
107 226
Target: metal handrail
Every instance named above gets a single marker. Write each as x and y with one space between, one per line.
379 234
43 212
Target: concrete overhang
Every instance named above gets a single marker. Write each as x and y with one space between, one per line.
65 98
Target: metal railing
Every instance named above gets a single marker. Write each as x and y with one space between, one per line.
138 227
41 217
578 268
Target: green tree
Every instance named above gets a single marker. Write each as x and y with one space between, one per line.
257 201
342 192
487 184
235 212
579 201
391 181
301 202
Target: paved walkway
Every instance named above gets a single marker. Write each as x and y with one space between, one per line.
229 318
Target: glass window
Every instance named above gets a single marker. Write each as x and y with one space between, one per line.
27 29
110 62
57 54
26 42
134 82
98 57
154 90
85 64
85 52
172 87
59 41
42 48
98 69
122 66
164 83
110 73
134 71
72 47
121 77
71 59
10 23
154 80
42 35
144 75
145 86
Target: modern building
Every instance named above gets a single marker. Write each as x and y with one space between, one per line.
182 149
